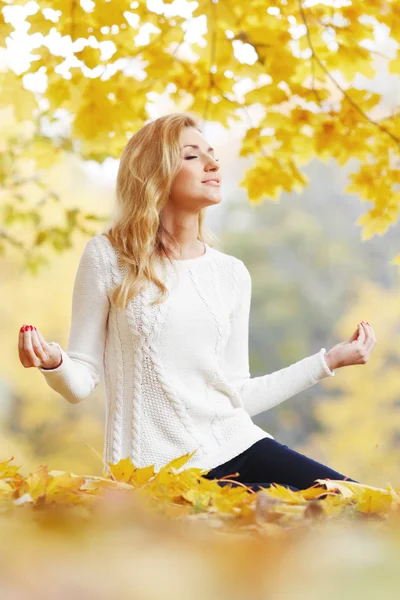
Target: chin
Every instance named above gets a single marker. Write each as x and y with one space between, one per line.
210 200
212 203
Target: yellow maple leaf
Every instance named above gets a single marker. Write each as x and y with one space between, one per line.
7 470
13 92
90 56
394 65
177 463
35 484
122 470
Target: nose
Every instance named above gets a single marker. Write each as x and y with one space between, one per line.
214 165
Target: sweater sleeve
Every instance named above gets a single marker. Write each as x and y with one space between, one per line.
82 364
266 391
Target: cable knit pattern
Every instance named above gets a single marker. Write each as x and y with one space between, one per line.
221 337
176 374
175 401
137 378
117 412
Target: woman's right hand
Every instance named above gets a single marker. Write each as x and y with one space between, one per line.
34 351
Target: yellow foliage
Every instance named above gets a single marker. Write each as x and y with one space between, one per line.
90 56
23 100
306 105
192 493
360 423
108 539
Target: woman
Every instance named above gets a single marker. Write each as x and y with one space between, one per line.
164 316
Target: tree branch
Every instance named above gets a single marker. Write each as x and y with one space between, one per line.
339 87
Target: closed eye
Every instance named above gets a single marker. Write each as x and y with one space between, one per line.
188 157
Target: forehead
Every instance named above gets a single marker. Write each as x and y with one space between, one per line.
190 135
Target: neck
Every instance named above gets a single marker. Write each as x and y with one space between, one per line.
191 251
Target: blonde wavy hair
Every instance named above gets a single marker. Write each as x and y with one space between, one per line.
149 163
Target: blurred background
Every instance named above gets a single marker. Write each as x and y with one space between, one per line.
313 276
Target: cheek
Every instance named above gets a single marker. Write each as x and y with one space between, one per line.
186 178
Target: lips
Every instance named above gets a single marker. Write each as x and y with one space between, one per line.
215 182
216 178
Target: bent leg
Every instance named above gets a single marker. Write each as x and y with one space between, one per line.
270 461
253 485
276 462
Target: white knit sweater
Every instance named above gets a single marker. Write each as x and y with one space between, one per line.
177 374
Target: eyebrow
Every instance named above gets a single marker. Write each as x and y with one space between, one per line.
198 148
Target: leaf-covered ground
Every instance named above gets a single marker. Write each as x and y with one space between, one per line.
174 534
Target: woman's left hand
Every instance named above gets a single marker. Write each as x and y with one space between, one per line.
354 351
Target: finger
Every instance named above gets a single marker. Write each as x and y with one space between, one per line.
368 343
45 345
41 338
37 346
372 338
361 336
354 336
29 351
21 338
21 352
372 332
367 335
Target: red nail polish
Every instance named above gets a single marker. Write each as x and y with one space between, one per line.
26 328
22 328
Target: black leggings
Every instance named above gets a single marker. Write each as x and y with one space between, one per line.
267 462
